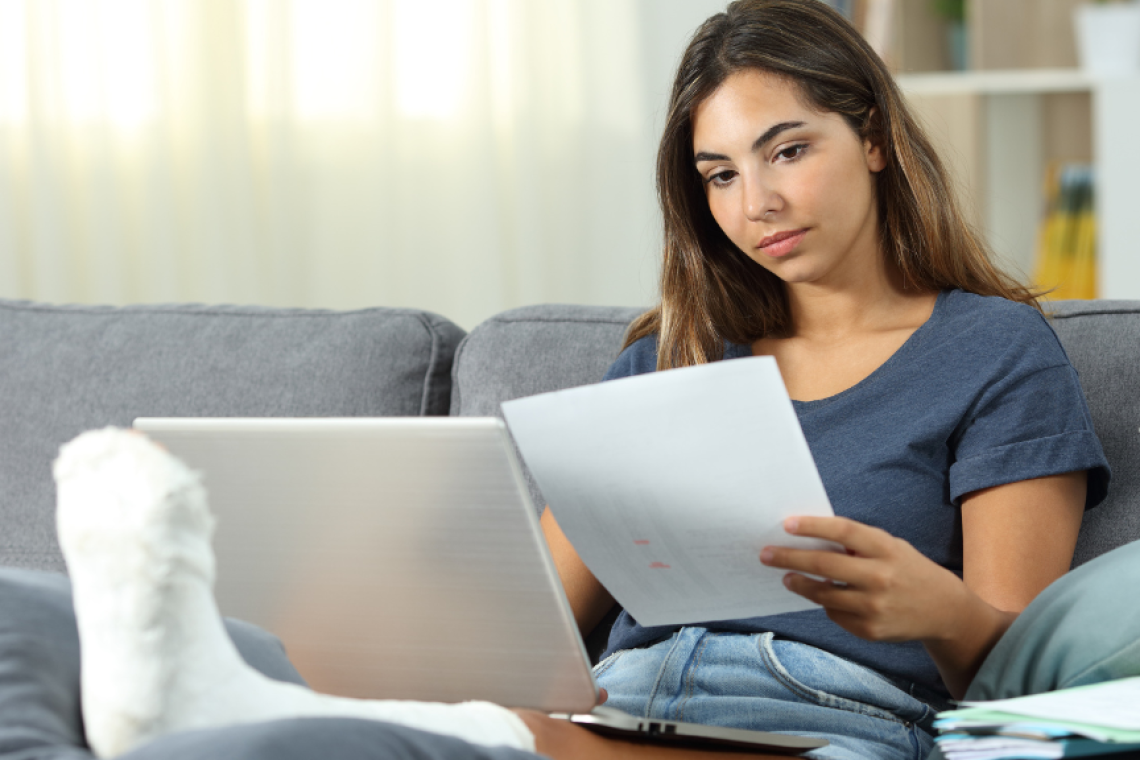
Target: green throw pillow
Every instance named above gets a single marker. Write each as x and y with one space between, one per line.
1083 629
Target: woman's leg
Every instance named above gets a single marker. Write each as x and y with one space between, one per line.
135 531
762 683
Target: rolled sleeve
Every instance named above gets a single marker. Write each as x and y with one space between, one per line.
1030 427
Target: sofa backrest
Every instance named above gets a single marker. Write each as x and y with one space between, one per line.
532 350
66 369
545 348
1102 339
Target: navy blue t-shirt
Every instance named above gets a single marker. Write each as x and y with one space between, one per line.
980 395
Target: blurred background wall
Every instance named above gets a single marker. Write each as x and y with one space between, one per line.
469 156
463 156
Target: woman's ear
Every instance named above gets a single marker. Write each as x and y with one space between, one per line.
876 158
873 148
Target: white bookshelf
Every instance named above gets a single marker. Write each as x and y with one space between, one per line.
1025 81
1012 161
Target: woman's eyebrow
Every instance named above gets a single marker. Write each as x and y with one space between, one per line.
774 130
769 135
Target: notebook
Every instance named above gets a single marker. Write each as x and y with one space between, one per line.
401 558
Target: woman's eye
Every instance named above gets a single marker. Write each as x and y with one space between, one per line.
792 152
721 178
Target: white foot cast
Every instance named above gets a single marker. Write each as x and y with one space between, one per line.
135 530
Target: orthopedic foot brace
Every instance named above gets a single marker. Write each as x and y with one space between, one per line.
135 530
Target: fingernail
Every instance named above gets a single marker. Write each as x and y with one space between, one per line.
766 555
792 525
788 581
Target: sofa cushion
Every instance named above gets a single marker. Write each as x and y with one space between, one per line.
532 350
66 369
40 712
1102 339
309 738
39 664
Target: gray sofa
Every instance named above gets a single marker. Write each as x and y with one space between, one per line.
65 369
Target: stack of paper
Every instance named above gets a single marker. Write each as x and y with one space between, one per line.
1088 720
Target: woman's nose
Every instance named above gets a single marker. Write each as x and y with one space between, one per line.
760 200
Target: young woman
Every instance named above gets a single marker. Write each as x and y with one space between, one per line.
807 218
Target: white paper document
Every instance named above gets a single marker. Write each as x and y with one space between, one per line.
669 484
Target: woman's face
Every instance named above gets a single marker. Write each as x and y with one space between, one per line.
792 187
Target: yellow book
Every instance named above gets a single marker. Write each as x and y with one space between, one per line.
1066 257
1047 273
1084 260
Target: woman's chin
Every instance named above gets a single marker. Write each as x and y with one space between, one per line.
792 270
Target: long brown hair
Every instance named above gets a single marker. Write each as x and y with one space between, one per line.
711 291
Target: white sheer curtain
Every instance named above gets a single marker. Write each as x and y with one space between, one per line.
463 156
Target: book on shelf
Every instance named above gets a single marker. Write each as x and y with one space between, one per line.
1085 721
1066 248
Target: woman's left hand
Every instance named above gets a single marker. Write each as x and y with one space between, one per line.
882 589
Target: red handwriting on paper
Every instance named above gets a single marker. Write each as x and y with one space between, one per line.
641 542
658 566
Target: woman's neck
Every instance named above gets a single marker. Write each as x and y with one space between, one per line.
869 301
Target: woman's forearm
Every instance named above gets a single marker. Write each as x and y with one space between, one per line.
1017 538
588 599
960 651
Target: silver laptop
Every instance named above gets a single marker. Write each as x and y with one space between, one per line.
401 558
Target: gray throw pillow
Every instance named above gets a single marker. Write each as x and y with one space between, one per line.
40 715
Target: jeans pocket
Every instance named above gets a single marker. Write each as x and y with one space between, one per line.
608 662
821 678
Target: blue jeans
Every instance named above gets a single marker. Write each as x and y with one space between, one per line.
763 683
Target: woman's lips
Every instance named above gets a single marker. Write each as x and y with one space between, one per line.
782 243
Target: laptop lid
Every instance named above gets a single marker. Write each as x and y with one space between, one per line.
401 558
394 557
